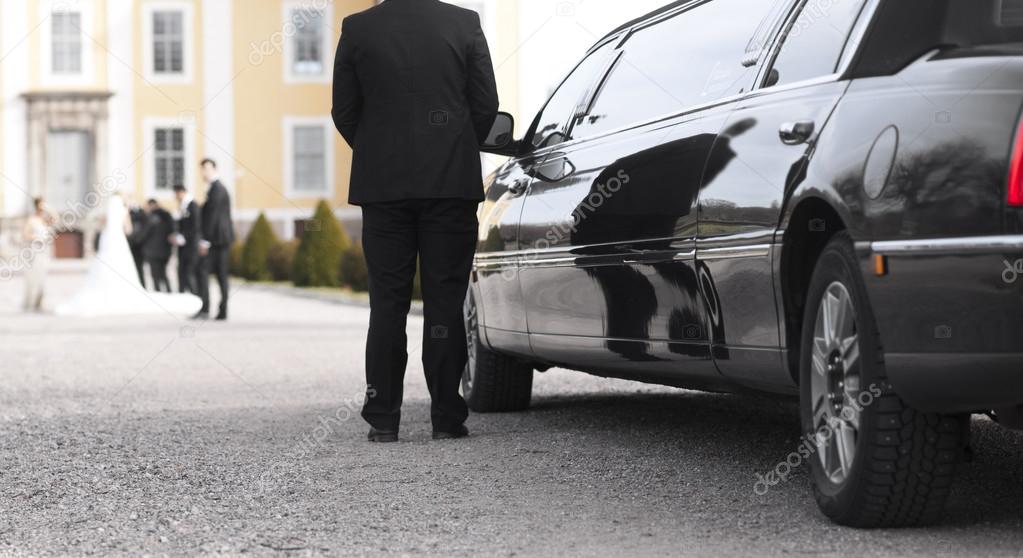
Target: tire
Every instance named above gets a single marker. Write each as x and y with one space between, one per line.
874 461
492 382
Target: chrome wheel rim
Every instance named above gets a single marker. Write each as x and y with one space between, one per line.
471 342
835 383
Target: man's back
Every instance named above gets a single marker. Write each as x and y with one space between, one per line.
414 95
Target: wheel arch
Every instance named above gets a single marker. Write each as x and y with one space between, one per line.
811 224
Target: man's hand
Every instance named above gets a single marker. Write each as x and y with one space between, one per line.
204 248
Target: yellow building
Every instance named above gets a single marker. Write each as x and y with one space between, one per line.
104 95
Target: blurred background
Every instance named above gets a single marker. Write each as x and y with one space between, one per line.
107 95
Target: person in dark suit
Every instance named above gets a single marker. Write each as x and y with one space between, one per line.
415 96
156 246
216 237
135 239
187 240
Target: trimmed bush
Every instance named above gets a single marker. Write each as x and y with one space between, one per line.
318 258
235 266
281 259
354 273
258 244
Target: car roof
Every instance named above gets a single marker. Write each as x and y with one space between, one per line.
663 9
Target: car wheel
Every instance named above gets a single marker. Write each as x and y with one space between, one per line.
875 461
492 382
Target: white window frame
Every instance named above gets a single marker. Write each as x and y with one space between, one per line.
327 48
86 74
188 42
290 123
149 127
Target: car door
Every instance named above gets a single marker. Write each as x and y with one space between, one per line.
611 283
501 305
755 163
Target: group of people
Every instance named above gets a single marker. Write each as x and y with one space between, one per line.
134 237
154 235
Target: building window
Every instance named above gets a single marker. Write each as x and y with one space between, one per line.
168 42
66 43
310 157
309 164
308 50
169 158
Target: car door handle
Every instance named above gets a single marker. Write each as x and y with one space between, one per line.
795 133
518 187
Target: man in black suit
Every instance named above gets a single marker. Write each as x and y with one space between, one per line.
136 239
415 96
187 240
217 235
156 248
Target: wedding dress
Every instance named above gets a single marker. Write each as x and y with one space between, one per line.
112 287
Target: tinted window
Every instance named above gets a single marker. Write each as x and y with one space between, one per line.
690 59
815 41
562 105
984 22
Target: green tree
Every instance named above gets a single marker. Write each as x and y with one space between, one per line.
258 244
318 259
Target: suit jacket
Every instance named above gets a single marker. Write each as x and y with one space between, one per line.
216 225
190 227
138 230
414 95
159 227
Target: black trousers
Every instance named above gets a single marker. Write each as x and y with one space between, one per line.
136 254
218 261
442 234
158 272
186 273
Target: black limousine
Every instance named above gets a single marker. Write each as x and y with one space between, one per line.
819 198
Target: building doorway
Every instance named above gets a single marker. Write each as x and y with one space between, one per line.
68 172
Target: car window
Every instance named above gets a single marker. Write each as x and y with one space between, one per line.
690 59
552 122
815 40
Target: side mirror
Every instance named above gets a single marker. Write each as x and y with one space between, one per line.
502 135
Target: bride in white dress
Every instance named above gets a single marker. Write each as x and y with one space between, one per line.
112 287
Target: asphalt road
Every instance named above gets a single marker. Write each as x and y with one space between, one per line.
146 436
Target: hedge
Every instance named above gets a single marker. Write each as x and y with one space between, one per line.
258 244
281 259
354 273
318 258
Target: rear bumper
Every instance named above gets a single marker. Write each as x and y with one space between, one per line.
950 315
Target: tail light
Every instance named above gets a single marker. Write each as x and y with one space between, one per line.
1016 171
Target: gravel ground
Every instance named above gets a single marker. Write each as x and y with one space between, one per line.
147 436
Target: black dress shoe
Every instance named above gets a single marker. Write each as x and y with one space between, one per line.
201 316
222 317
383 436
461 432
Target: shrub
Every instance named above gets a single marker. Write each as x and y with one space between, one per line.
281 259
258 244
354 273
318 258
235 266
